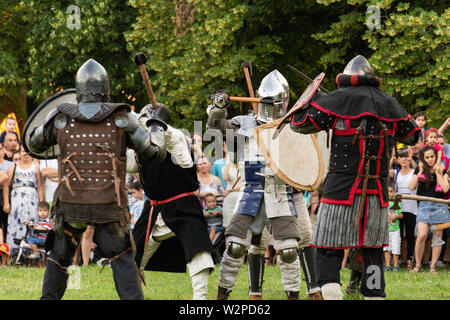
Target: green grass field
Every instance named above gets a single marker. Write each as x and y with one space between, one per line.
25 284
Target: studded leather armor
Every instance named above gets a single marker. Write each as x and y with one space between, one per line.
92 162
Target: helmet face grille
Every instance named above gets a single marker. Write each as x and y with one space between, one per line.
359 66
275 86
92 82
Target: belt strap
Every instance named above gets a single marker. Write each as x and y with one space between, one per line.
154 203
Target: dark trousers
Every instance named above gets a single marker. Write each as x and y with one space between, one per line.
407 227
112 241
329 262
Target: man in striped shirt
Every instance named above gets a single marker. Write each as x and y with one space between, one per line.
40 229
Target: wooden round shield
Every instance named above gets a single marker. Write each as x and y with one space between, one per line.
299 160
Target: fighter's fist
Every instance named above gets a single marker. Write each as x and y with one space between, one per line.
220 99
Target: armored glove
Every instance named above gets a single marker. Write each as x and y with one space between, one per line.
159 116
220 99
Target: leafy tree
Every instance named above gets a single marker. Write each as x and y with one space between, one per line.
13 66
196 47
65 34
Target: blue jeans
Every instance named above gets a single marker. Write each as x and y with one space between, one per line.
36 241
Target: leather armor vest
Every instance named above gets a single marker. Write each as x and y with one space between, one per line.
92 162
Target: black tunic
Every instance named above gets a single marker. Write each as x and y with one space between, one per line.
183 216
343 111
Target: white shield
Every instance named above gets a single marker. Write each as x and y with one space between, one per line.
299 160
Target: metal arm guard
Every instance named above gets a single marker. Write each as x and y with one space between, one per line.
40 136
140 138
37 140
217 119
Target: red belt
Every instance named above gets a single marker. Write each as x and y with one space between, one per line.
154 203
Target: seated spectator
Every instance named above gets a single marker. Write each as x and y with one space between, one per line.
213 215
40 229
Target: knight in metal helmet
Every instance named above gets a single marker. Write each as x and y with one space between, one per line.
258 207
359 66
91 136
275 86
353 212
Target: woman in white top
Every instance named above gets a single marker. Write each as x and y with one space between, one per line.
230 173
409 207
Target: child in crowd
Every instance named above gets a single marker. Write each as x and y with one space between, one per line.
10 125
136 209
394 234
421 120
213 215
432 140
429 213
40 229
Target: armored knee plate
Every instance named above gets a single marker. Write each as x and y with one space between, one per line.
236 250
288 255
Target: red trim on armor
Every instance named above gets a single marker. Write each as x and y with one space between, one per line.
349 247
315 105
334 124
362 231
413 131
354 80
302 122
337 79
344 132
368 191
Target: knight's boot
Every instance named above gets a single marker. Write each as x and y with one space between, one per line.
315 296
308 262
256 263
353 283
223 293
55 280
292 295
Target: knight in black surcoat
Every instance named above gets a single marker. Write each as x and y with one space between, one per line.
353 212
171 233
